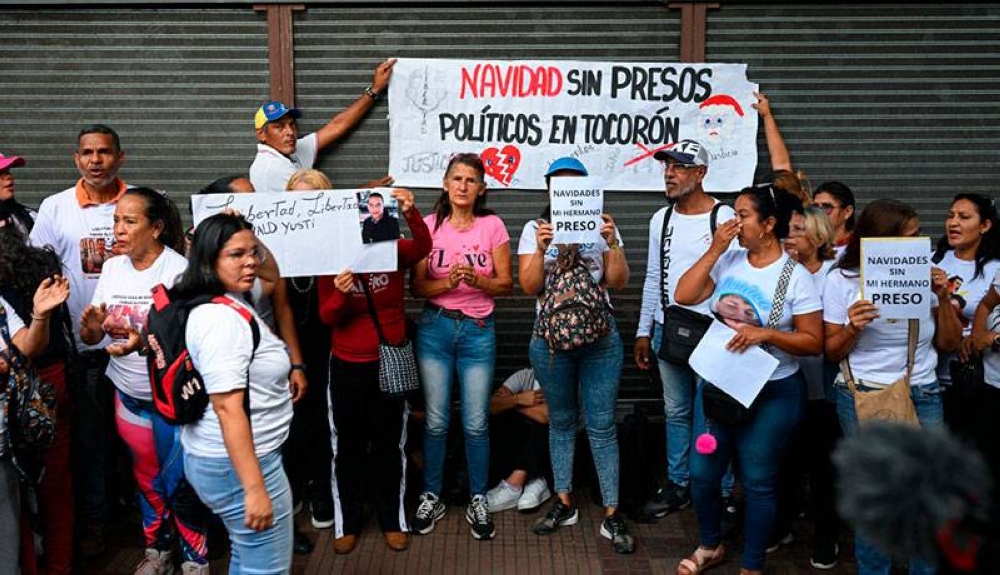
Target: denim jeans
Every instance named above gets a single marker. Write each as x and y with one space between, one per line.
758 445
927 401
679 384
259 552
591 373
466 346
92 446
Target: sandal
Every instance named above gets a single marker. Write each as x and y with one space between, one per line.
701 560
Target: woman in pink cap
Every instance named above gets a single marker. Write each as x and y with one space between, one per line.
13 212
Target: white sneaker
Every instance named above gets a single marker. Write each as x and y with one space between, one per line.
156 563
502 497
535 493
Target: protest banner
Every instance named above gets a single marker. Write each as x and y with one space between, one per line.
896 276
519 116
576 205
309 233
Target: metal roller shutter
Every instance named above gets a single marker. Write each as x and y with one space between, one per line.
179 85
895 100
336 50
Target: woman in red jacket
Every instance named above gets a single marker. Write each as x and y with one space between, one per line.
359 412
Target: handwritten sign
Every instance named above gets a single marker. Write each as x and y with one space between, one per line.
896 276
519 116
309 233
577 205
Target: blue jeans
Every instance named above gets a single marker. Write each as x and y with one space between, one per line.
592 372
927 401
466 346
679 384
215 481
758 444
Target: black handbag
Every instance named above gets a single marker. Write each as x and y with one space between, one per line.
682 331
682 327
716 404
967 378
398 374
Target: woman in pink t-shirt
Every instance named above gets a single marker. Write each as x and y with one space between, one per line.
468 266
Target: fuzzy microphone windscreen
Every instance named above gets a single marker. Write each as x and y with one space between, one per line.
898 485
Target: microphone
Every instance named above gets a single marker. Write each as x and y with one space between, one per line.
916 493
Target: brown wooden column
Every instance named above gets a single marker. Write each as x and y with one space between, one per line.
693 20
280 50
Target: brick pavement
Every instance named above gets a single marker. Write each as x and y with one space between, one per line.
450 549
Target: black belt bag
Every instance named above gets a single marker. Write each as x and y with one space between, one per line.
682 331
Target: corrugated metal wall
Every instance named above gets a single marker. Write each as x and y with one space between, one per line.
179 85
337 49
895 100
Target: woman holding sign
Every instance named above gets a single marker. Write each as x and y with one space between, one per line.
779 310
590 370
148 229
877 348
467 268
360 414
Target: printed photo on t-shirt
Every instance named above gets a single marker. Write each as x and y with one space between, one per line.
957 297
378 214
740 303
94 252
129 315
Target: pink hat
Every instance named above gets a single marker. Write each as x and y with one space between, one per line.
10 161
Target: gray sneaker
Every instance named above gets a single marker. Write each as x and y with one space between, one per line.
615 529
156 563
559 516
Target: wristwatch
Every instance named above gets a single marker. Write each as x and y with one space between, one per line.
371 93
298 366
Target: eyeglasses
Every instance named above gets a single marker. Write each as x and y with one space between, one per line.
242 255
668 165
825 206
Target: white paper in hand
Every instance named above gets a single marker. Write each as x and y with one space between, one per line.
741 375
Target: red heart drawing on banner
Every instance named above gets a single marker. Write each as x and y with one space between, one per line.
501 164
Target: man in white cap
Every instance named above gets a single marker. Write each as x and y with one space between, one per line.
679 234
280 150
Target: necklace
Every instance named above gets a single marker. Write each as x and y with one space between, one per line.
312 280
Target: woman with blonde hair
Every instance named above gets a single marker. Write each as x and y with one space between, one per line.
303 180
810 242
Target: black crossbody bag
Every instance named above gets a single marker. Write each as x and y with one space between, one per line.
682 328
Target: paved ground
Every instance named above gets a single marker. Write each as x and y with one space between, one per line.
450 549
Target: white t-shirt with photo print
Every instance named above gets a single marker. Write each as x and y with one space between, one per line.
127 293
744 294
967 290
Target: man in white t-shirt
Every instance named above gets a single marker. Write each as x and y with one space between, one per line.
78 225
280 150
673 249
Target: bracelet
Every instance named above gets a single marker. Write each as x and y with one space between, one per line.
298 366
40 317
371 93
615 246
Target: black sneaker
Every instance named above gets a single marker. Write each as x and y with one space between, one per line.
668 499
321 511
560 515
824 555
615 529
429 512
478 516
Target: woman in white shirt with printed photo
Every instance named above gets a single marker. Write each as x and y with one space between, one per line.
877 348
147 228
746 285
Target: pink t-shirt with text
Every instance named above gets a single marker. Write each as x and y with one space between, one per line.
472 246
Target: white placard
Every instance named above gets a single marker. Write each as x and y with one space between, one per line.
577 205
521 115
741 375
309 233
896 276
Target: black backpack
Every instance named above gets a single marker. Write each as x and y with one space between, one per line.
179 393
